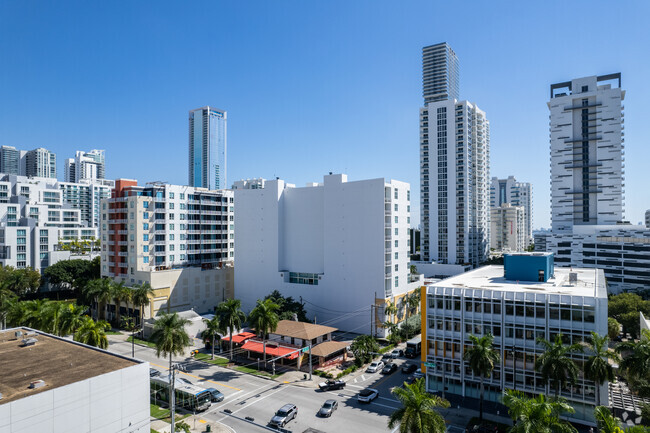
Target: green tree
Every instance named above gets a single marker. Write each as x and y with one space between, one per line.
607 423
93 333
101 291
231 317
413 301
613 328
625 308
538 414
364 347
288 307
417 413
169 336
636 362
481 358
52 314
7 299
20 281
72 318
597 367
390 310
212 332
393 331
120 293
73 274
556 365
141 296
264 318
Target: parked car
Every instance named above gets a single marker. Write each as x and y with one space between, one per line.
409 368
389 368
216 394
396 353
285 414
328 408
367 395
331 384
375 366
153 372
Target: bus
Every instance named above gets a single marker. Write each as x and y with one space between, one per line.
413 347
189 397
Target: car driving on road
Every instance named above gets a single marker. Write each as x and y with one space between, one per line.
367 395
396 353
409 368
328 408
285 414
331 384
375 366
216 395
389 368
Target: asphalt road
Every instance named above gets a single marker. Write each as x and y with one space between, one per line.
258 398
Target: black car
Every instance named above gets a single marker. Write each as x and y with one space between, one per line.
153 372
331 384
389 368
409 368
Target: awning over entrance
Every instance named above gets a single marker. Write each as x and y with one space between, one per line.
258 347
239 338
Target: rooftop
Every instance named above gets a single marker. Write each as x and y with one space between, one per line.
305 331
590 282
55 361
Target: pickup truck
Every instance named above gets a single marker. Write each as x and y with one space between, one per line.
331 384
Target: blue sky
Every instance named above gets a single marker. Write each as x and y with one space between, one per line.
309 86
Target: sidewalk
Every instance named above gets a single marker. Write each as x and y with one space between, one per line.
196 423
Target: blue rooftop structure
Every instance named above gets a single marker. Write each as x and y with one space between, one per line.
528 266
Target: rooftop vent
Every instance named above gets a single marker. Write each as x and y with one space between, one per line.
573 278
18 334
29 341
37 384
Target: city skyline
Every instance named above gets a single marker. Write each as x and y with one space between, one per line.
298 92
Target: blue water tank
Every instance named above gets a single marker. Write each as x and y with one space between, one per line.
528 266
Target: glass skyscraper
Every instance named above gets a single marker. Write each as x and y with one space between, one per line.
207 150
439 73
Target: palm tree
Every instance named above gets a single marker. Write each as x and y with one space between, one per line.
170 336
481 358
212 331
555 363
72 319
606 422
414 301
51 316
537 414
417 413
636 363
141 297
34 314
7 299
390 310
120 293
231 317
264 318
93 333
101 290
597 367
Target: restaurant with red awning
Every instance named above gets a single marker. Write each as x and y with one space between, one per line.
239 338
271 349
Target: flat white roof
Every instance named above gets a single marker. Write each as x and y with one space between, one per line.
590 282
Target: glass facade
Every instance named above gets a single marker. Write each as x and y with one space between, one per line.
207 148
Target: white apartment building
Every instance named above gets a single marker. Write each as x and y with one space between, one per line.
53 384
511 303
587 157
85 165
179 239
516 194
340 247
508 228
40 163
454 175
34 218
256 183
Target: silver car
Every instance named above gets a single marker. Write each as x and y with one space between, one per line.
328 408
375 366
285 414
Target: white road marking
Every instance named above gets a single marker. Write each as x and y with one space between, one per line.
249 404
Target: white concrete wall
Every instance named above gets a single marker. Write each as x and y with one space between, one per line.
113 402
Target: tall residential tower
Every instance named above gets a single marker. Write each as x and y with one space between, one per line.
516 194
207 148
85 165
454 166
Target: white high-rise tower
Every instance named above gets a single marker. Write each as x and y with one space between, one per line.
516 194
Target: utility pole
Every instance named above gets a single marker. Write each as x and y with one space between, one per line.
172 399
310 362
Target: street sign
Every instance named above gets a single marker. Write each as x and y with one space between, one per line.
305 349
429 364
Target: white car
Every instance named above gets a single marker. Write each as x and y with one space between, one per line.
397 353
375 366
367 395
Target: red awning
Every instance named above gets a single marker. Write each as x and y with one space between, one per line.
239 338
256 346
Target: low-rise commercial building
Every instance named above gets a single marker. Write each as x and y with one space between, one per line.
51 384
526 299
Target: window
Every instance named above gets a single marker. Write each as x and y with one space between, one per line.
131 215
145 259
145 226
396 219
171 237
396 243
171 248
171 227
171 205
585 88
171 259
396 194
132 238
145 238
396 254
145 215
145 248
396 207
396 281
171 195
396 231
182 196
145 204
396 268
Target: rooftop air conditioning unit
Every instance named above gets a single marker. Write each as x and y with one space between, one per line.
573 278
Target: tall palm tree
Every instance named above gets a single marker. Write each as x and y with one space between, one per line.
555 363
101 290
51 316
93 333
72 319
597 367
538 414
481 358
417 413
213 331
390 310
636 362
120 293
35 314
170 336
607 423
231 317
414 301
141 297
264 318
